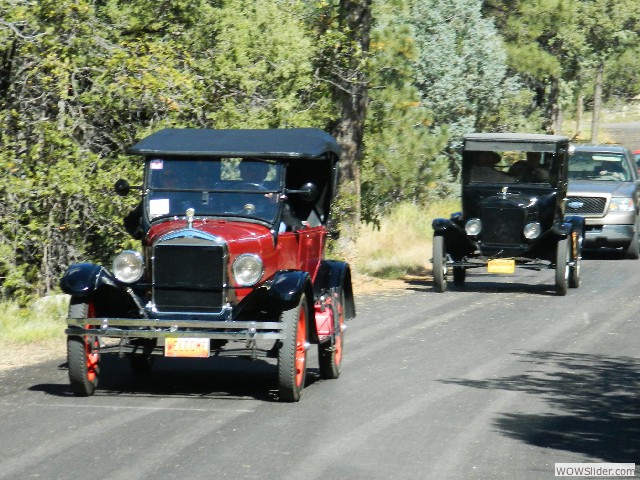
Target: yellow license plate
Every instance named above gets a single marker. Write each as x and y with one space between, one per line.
501 265
186 347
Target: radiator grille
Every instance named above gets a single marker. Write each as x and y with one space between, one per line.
502 225
188 276
589 205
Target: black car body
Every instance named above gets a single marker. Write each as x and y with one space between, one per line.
513 191
233 225
603 189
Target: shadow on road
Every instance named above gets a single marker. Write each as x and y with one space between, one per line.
223 378
596 398
474 285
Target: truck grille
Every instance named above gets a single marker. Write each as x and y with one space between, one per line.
586 205
188 275
502 225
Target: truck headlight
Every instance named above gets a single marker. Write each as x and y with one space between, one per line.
128 266
621 204
247 269
532 230
473 227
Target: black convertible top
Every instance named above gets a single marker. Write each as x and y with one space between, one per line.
306 143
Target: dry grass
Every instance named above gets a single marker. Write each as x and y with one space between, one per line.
402 244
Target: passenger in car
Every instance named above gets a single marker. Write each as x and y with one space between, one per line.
484 169
530 170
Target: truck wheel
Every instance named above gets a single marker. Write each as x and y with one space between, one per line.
562 270
459 276
330 353
574 271
439 264
83 353
292 356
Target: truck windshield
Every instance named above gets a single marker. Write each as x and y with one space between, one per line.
598 166
228 187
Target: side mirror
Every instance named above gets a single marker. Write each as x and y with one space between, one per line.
122 187
309 192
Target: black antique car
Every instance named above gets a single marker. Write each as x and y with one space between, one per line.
513 202
233 225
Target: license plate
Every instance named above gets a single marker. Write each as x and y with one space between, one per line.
501 265
186 347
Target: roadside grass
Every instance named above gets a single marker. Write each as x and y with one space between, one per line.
401 245
41 321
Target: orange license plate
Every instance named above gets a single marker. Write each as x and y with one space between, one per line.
501 265
186 347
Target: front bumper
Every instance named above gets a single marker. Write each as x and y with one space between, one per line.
128 328
608 235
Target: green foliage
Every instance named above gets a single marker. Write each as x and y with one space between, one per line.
621 76
461 68
82 81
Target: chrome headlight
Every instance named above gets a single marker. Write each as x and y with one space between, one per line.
473 226
247 269
621 204
128 266
532 230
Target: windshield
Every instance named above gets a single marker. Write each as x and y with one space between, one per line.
598 166
230 187
511 166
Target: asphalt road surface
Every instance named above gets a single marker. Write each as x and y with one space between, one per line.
499 380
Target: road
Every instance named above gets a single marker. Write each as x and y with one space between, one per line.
500 380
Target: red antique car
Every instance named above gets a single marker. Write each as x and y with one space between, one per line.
233 226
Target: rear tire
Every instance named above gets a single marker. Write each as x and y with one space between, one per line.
439 264
330 353
562 269
83 353
292 356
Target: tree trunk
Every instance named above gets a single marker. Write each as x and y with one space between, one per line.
597 104
579 115
351 93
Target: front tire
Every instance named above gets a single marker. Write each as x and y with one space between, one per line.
292 356
330 353
83 353
562 269
439 264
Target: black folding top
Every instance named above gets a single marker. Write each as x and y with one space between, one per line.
307 143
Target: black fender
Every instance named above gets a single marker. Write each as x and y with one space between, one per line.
334 274
286 289
441 225
83 279
97 285
562 229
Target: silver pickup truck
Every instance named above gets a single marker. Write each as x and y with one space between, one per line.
603 188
